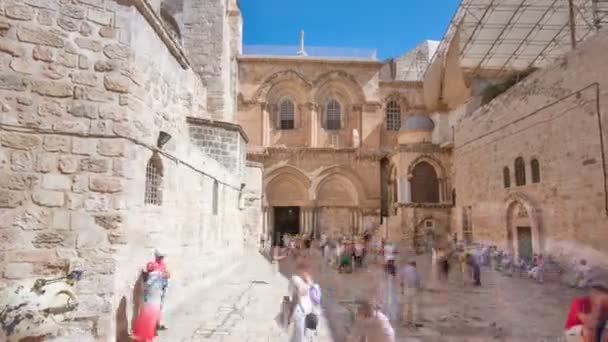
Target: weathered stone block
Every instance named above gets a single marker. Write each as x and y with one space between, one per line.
85 29
51 107
68 24
46 162
12 82
52 89
26 101
19 141
101 127
117 83
89 44
51 239
11 47
54 71
111 148
22 66
106 66
68 164
98 203
115 51
74 201
73 11
68 60
33 218
48 198
81 221
80 183
18 270
107 32
83 62
56 182
93 95
99 17
16 181
42 53
32 256
83 109
81 127
41 37
45 17
11 199
94 165
84 146
61 220
19 12
105 184
113 113
56 143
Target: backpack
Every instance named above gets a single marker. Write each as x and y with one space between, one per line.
311 321
314 292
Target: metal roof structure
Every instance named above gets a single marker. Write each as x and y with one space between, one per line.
501 36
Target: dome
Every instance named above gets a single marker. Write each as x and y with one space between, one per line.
417 122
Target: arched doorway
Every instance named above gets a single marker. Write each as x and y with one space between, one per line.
425 184
523 229
286 194
337 201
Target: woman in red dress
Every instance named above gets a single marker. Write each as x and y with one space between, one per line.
144 328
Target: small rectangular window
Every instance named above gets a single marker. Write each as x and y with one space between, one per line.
215 197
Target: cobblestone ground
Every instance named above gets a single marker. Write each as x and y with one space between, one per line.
245 306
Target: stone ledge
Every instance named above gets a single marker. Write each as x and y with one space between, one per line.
426 205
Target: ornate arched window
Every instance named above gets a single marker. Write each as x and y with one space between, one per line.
535 166
506 177
520 171
393 116
215 203
154 181
333 115
286 114
425 184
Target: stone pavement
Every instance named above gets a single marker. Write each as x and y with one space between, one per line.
244 307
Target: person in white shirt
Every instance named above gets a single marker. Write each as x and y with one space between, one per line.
372 325
299 287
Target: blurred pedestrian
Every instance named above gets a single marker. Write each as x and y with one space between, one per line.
371 325
410 281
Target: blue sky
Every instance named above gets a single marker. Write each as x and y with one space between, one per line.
390 26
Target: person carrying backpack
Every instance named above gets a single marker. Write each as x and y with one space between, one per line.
306 300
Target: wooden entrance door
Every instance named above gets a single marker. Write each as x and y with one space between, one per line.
524 242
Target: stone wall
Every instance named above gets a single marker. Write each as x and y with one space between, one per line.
85 89
551 116
251 202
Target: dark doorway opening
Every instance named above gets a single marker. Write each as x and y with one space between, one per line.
425 185
524 243
286 221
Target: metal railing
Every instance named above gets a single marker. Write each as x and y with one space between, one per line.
311 51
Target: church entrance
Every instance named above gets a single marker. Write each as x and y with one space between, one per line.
524 243
286 221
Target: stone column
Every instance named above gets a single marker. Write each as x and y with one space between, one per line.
441 195
314 124
407 192
265 108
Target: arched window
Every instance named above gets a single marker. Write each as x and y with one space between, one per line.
535 166
215 197
425 185
154 181
333 115
393 116
287 114
506 177
520 171
170 24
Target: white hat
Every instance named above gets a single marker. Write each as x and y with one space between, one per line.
158 254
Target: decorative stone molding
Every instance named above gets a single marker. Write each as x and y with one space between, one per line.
426 205
220 124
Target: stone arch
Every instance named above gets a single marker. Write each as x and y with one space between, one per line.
341 81
520 211
336 174
437 165
425 183
287 81
286 186
440 173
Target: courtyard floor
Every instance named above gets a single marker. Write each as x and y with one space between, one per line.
246 304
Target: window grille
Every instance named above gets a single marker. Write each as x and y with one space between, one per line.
506 175
535 166
154 179
520 171
215 197
287 115
333 114
393 116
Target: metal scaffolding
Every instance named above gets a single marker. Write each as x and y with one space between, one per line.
502 36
